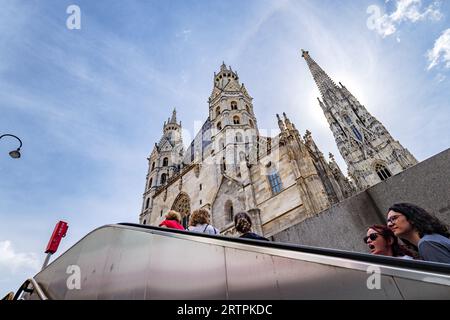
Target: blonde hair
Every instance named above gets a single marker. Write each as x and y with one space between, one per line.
173 215
200 216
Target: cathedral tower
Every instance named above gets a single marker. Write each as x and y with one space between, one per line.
371 154
164 162
234 128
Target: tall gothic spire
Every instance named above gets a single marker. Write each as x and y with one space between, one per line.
364 143
322 80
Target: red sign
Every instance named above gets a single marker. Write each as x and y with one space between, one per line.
58 233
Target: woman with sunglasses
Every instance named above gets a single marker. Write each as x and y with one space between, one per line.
382 241
414 225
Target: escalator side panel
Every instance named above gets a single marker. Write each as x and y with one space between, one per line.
306 280
416 290
126 267
260 276
183 269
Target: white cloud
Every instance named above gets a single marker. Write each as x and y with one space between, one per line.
441 51
13 261
406 11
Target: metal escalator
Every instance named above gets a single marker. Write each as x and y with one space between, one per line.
130 261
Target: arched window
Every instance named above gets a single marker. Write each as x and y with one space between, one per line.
217 111
241 156
247 108
147 203
274 180
163 178
150 183
250 122
382 171
224 166
145 221
153 166
238 137
165 162
219 126
234 105
236 120
357 134
229 211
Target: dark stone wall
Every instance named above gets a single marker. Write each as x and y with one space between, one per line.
343 226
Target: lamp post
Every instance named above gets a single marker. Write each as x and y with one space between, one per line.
15 154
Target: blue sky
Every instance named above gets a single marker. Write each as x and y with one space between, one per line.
89 104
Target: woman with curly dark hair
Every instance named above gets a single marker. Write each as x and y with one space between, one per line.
382 241
243 225
416 226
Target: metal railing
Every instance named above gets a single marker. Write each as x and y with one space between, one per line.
35 288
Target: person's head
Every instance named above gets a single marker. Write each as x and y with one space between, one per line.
382 241
405 218
200 216
173 215
243 222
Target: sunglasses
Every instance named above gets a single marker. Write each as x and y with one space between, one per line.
371 236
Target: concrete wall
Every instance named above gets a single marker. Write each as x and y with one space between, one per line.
343 226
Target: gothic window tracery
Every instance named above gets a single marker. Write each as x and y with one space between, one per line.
274 179
163 178
236 120
234 105
165 162
382 172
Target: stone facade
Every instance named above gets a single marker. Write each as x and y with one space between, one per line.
230 167
371 154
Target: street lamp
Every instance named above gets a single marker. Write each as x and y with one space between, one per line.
15 154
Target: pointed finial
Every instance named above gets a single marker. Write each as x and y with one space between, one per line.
173 119
223 66
278 117
331 156
304 53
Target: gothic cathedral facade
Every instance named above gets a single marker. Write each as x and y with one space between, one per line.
282 180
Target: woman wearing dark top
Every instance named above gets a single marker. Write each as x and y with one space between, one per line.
243 225
414 225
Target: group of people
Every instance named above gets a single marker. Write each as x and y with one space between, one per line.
410 233
200 221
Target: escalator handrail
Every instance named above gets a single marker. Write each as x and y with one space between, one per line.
36 287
